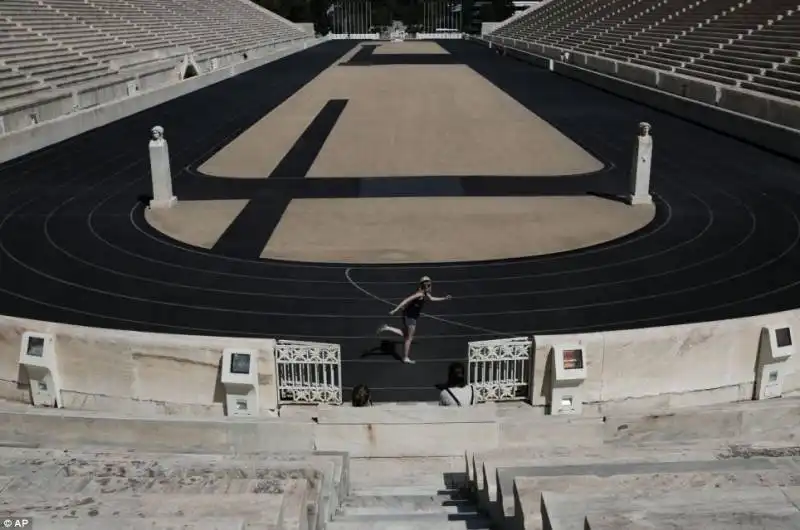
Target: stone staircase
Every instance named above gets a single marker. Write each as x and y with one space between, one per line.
409 509
408 494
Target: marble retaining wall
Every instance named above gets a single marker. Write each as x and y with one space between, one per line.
668 367
653 369
134 373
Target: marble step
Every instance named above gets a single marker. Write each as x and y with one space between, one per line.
406 504
566 511
189 471
138 523
404 491
706 521
89 485
154 472
262 508
422 521
429 474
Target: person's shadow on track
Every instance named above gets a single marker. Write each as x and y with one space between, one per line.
385 348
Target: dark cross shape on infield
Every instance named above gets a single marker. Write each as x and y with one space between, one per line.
268 198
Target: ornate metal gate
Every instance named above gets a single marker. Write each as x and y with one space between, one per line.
309 372
500 369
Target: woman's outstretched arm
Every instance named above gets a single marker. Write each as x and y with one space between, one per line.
439 298
405 302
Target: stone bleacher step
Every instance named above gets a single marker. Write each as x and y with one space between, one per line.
409 504
20 38
46 67
787 84
787 48
486 464
704 521
792 66
22 98
23 59
10 83
90 485
57 29
770 56
45 466
682 49
248 505
526 489
569 511
739 61
715 70
254 507
404 521
775 91
786 74
708 60
722 79
75 79
139 523
10 49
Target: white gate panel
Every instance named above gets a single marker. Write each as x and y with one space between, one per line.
309 372
500 369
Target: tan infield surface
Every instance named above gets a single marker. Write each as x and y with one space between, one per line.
411 121
415 229
407 120
426 229
418 47
197 223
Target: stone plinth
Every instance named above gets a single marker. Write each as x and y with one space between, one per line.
640 168
160 170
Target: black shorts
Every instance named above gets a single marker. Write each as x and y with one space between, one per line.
409 320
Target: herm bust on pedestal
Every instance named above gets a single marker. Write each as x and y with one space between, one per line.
160 170
640 168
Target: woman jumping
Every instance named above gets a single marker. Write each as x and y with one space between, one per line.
412 308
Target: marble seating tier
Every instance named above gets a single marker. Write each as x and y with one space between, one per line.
773 508
716 440
563 438
631 479
751 46
62 56
389 468
92 487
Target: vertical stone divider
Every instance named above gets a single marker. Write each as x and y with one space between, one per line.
160 170
640 168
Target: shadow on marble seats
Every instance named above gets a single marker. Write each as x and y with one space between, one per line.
743 447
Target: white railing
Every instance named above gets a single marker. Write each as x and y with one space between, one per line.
439 35
309 372
354 36
499 370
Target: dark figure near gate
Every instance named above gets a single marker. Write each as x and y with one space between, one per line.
361 396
